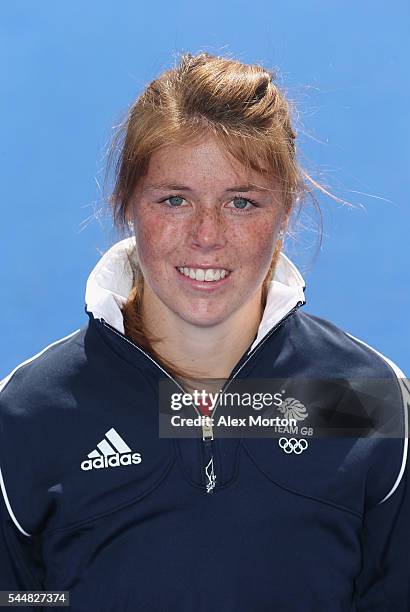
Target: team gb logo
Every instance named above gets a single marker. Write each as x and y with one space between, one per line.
292 408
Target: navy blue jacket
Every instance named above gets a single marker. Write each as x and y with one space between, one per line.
316 527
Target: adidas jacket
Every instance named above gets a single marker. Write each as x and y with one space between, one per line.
94 502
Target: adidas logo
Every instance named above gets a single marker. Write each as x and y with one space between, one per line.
112 452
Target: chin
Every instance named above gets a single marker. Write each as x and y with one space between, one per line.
206 320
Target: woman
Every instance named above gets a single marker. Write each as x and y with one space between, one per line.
200 296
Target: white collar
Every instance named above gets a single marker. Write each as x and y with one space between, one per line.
110 282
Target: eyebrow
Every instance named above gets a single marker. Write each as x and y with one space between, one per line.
177 187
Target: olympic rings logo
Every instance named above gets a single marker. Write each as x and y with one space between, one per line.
293 445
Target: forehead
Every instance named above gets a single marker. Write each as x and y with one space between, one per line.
202 162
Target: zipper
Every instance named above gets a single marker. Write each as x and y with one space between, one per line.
207 432
208 447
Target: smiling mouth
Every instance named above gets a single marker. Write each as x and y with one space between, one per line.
204 274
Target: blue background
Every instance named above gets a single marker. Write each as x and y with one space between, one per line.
70 70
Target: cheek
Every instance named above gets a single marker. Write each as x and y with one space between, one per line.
256 242
155 237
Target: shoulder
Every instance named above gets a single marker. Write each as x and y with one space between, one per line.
41 374
339 352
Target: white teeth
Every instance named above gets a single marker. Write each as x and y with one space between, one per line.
200 274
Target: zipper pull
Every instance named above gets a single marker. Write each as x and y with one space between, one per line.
210 474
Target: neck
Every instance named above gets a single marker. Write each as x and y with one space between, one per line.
194 348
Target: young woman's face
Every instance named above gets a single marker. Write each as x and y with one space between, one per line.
205 236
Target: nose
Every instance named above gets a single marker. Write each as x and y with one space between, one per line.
208 229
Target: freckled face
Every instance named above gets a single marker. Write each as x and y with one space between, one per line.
203 221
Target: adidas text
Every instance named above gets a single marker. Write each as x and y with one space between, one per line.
114 460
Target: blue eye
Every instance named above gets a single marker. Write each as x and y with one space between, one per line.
243 202
172 199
